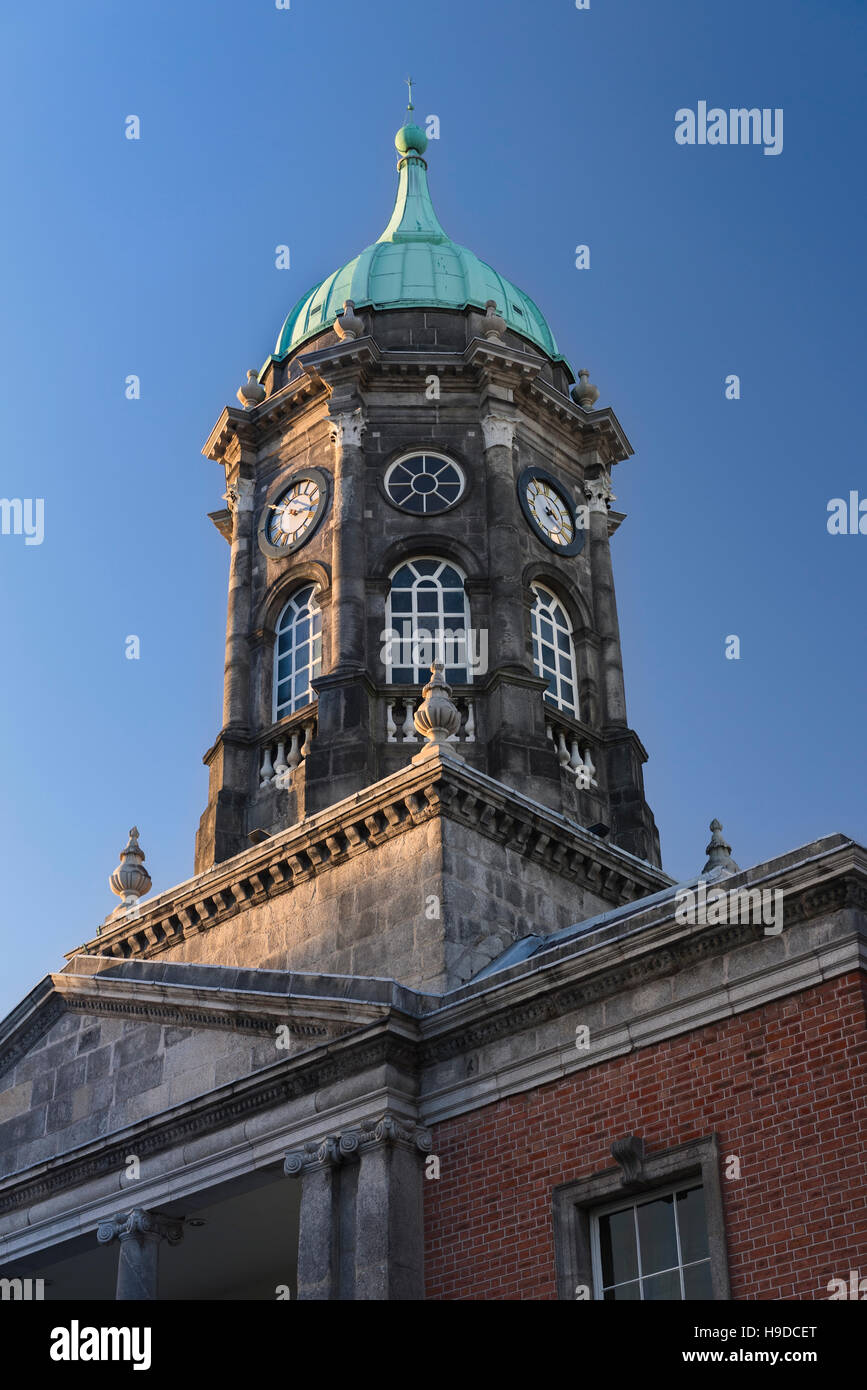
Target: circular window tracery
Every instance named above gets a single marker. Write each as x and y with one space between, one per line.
425 483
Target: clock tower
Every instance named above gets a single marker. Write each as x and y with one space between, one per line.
416 476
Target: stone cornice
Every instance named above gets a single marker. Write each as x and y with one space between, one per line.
410 797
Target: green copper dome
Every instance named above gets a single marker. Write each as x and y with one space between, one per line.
414 264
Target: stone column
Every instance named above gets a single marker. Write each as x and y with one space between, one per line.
599 495
139 1233
508 639
319 1236
347 544
389 1220
236 683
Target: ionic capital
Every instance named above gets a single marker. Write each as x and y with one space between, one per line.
347 429
598 492
498 431
239 495
137 1224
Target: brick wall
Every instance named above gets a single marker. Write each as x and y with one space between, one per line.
785 1088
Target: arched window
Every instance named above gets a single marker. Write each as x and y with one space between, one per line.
427 619
554 650
297 652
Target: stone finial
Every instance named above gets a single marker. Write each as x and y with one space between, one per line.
494 325
131 879
719 854
252 393
584 392
436 717
348 324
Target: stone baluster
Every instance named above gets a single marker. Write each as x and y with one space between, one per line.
267 773
390 726
281 767
470 730
408 730
294 750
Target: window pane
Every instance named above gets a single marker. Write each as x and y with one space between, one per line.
662 1286
401 602
692 1223
546 630
626 1293
697 1281
617 1247
453 601
428 601
301 683
403 579
284 668
426 567
403 675
656 1233
302 630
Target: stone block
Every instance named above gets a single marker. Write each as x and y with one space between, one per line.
137 1077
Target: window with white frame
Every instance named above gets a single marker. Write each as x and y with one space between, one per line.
554 650
297 652
427 620
654 1247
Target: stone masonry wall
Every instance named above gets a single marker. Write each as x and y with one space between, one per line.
784 1086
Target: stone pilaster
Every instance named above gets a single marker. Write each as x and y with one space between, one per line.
342 758
362 1229
139 1234
599 497
347 543
518 748
389 1224
508 640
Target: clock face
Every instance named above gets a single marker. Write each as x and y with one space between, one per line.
291 520
549 510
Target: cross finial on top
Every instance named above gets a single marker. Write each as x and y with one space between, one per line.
408 81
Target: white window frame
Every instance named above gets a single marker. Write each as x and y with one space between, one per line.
634 1201
445 622
314 666
554 698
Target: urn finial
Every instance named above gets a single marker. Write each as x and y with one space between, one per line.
436 718
348 325
584 392
252 393
719 853
131 880
494 325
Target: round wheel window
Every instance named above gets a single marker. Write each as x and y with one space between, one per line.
425 484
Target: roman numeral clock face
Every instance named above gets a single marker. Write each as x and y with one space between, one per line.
289 521
550 511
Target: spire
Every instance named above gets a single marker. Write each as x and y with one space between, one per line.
413 218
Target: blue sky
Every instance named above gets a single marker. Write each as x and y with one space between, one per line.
156 257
